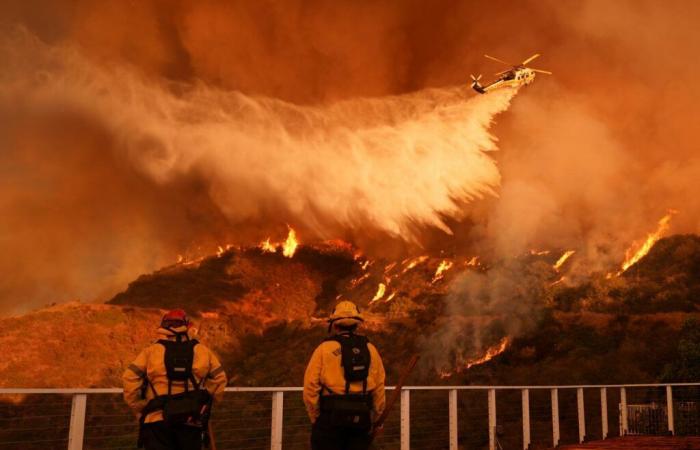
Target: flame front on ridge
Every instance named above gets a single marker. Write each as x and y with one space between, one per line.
633 257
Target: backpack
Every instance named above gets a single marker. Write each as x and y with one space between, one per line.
191 406
351 411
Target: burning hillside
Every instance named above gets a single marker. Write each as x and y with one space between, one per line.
461 313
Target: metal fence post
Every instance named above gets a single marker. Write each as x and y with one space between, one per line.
405 419
453 420
581 415
669 409
492 419
277 414
555 417
623 411
526 418
77 422
604 411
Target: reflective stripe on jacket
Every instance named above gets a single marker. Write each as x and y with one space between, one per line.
151 363
326 371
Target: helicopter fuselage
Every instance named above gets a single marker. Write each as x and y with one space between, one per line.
516 77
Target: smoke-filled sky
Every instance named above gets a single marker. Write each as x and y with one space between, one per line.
131 132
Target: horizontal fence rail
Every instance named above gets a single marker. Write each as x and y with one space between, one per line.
428 417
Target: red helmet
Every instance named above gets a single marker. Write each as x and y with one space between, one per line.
174 319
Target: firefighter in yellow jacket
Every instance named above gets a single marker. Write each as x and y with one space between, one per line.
344 385
171 385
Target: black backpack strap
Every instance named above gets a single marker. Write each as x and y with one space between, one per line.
153 389
196 384
179 358
355 358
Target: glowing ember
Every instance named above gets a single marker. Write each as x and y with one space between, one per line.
390 297
210 315
180 259
381 290
632 258
359 280
560 280
539 252
473 262
563 258
289 247
365 265
444 266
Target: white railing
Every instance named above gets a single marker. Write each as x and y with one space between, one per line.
471 424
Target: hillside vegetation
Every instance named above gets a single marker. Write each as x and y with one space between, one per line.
264 314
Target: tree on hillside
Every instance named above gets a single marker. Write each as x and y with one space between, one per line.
686 367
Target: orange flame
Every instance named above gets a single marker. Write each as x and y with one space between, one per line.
632 258
563 258
289 247
491 353
444 266
473 262
381 290
413 262
267 247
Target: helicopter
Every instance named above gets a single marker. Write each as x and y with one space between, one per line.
518 75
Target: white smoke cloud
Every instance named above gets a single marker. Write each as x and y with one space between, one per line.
390 162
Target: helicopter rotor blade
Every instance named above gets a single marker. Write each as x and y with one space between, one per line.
501 73
541 71
497 60
530 59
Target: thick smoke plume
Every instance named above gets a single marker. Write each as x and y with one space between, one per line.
117 128
390 163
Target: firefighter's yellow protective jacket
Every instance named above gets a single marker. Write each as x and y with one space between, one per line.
325 371
151 363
